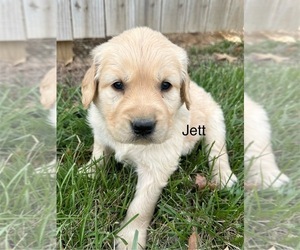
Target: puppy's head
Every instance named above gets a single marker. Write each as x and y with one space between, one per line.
138 81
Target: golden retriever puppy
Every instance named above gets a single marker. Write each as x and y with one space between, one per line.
145 109
260 165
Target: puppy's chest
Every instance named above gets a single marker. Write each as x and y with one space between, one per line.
153 155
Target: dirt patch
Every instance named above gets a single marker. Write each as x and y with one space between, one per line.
202 40
40 58
73 73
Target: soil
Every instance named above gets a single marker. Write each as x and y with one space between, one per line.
40 58
73 73
41 55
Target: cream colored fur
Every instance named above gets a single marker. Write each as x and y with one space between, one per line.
48 100
48 94
260 165
142 59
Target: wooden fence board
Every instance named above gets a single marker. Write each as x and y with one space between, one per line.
286 16
88 18
235 19
116 13
173 16
217 15
257 15
40 16
13 52
197 12
148 13
64 24
65 52
11 21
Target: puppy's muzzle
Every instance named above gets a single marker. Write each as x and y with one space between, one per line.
143 127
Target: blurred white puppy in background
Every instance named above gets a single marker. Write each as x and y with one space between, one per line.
261 170
48 94
48 100
145 109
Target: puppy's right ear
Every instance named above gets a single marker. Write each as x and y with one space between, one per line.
89 86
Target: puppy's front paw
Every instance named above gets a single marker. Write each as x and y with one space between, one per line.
121 245
88 169
225 179
271 179
280 181
130 239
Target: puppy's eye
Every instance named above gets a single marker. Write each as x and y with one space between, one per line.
118 86
165 86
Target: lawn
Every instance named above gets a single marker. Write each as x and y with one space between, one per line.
90 210
27 198
272 218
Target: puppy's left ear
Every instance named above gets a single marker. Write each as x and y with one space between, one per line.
48 89
89 86
185 91
185 82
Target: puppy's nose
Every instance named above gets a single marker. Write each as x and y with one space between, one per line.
143 126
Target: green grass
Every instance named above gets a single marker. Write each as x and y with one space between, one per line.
90 210
273 218
27 199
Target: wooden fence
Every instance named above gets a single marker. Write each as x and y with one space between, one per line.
100 18
67 20
272 15
27 19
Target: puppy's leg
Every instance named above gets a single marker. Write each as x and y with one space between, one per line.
218 158
99 151
261 168
149 187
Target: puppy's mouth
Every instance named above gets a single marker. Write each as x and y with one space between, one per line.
142 140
